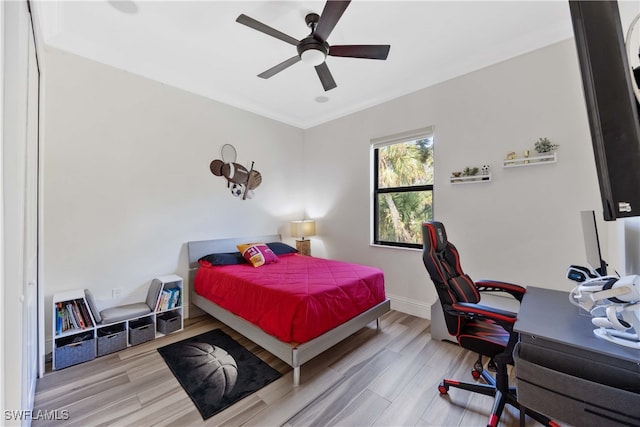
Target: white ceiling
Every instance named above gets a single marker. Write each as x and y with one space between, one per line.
197 46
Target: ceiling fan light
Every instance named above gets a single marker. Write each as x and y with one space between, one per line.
313 57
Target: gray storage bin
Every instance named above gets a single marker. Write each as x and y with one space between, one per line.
74 349
168 322
111 339
141 330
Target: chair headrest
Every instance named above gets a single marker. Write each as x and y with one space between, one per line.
440 235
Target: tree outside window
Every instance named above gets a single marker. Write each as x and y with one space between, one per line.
403 191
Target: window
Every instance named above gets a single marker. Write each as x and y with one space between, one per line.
402 187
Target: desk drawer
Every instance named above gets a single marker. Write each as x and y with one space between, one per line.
571 398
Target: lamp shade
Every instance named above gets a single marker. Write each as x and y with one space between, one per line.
302 229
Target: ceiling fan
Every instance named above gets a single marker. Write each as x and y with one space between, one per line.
314 48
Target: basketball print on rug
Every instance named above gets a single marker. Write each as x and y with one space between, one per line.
216 371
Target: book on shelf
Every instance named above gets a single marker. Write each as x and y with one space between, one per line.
76 312
72 314
176 301
72 319
59 319
85 313
169 299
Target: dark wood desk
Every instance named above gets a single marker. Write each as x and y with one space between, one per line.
564 371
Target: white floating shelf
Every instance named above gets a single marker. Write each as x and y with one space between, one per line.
474 179
532 161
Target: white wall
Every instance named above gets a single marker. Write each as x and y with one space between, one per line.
127 180
522 227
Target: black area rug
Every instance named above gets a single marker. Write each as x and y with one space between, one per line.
216 371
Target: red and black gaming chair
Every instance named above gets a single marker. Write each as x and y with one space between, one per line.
484 330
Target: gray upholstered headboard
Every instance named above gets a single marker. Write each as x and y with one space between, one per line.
205 247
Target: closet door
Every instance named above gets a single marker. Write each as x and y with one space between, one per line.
30 284
20 210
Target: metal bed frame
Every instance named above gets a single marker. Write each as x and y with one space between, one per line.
292 354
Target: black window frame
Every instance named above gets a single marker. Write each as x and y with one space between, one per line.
403 189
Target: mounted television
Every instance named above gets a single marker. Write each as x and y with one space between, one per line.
592 243
611 105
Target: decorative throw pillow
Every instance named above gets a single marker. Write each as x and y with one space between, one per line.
257 253
280 248
229 258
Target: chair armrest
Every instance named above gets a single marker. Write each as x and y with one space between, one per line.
504 318
515 291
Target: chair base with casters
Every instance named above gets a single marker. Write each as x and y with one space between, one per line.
489 388
485 330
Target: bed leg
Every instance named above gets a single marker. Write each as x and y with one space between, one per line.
296 376
378 326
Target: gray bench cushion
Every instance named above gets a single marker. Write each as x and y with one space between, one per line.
128 311
124 312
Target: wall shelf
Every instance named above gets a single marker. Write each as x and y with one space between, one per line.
532 161
474 179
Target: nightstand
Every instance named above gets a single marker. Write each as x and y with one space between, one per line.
304 246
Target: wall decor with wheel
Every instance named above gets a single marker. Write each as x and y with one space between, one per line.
240 180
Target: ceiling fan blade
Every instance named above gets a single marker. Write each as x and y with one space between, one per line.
378 51
263 28
281 66
331 14
325 77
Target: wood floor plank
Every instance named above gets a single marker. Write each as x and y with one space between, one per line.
409 405
103 414
370 343
315 385
72 374
64 400
333 401
362 411
391 383
155 412
240 412
415 327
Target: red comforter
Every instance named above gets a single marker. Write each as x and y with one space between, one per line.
295 299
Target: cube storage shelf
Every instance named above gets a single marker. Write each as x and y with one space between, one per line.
74 343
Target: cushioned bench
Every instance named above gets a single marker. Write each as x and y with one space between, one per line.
126 311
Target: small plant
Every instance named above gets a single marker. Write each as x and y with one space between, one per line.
470 171
543 145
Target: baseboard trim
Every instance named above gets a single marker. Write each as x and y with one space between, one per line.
410 306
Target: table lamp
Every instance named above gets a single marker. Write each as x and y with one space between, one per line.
300 230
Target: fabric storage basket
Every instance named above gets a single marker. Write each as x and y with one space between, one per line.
111 339
141 330
168 322
75 349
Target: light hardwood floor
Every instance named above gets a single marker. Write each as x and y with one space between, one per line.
373 378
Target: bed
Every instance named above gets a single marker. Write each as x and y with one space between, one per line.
294 349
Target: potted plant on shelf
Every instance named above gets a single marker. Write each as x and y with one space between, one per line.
470 171
543 146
